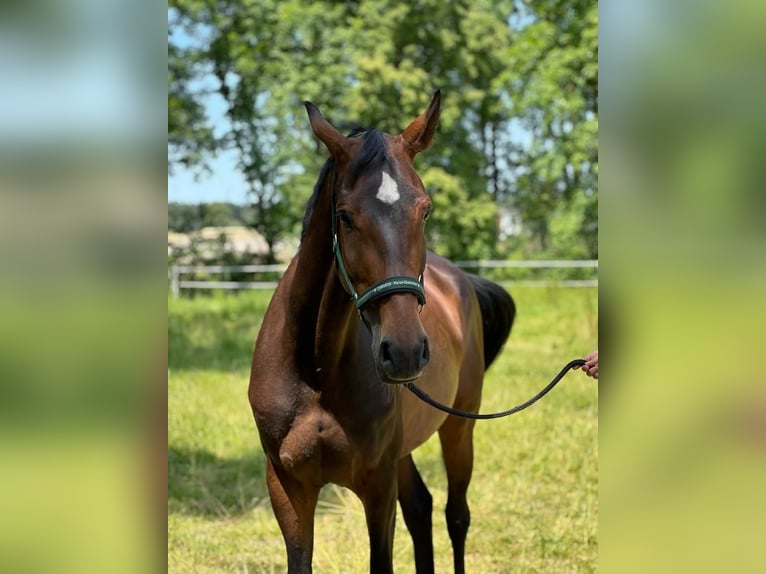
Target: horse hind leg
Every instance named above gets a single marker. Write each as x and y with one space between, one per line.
417 507
456 436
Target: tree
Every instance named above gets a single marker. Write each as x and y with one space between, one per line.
519 119
553 84
190 137
183 217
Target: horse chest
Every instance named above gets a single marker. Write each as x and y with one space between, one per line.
319 449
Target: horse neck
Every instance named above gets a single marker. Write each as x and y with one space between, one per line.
324 315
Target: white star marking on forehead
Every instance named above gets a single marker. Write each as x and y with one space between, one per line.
388 192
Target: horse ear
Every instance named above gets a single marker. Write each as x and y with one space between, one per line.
418 135
328 135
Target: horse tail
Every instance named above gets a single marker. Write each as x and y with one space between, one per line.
497 313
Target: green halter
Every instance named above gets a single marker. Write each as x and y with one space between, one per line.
398 284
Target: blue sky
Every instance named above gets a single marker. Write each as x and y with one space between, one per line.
71 74
223 184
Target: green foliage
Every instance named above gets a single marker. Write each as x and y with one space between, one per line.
183 217
454 231
519 120
190 137
186 217
554 93
570 236
534 490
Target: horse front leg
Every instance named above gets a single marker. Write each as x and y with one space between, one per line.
294 504
378 494
417 507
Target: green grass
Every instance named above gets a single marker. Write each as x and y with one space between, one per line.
533 496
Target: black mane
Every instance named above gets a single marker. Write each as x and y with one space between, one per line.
323 173
372 155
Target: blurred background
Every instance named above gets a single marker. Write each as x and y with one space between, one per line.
82 331
83 165
682 434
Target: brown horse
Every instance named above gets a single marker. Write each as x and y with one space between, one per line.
329 363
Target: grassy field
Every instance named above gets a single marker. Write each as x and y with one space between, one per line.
533 496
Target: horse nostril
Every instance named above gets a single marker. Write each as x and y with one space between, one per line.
385 352
426 355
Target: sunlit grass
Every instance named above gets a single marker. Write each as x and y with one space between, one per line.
533 496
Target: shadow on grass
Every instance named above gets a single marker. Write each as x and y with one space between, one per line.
203 484
207 339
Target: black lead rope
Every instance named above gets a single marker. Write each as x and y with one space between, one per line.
423 396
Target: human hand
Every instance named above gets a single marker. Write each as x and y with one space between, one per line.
590 367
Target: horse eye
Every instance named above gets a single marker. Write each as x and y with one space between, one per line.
346 220
427 214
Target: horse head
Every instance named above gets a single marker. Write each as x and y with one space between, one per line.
379 209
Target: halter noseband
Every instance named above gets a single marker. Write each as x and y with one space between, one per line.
383 288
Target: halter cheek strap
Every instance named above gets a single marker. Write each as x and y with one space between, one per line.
383 288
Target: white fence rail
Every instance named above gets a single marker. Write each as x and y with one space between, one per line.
178 271
560 263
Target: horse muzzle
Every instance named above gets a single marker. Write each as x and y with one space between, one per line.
399 363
